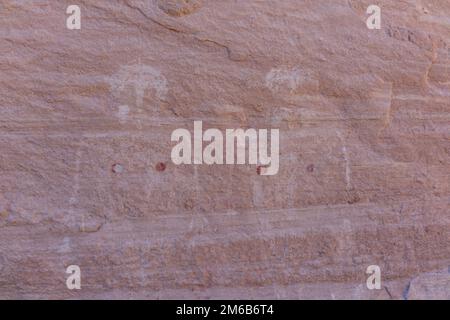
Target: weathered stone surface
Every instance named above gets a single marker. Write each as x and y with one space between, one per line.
431 286
86 176
179 7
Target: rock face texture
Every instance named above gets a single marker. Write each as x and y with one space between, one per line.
86 177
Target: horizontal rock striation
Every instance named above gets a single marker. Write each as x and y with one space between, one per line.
86 176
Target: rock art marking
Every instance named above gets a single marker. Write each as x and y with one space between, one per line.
122 113
139 78
347 162
289 80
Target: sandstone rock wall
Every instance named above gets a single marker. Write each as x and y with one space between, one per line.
86 176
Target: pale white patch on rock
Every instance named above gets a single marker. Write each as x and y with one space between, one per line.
117 168
122 113
140 78
347 161
288 80
65 247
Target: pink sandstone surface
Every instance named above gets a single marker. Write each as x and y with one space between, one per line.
86 176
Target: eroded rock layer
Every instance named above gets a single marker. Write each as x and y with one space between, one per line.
86 176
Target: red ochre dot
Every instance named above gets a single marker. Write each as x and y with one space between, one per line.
160 166
258 170
310 168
